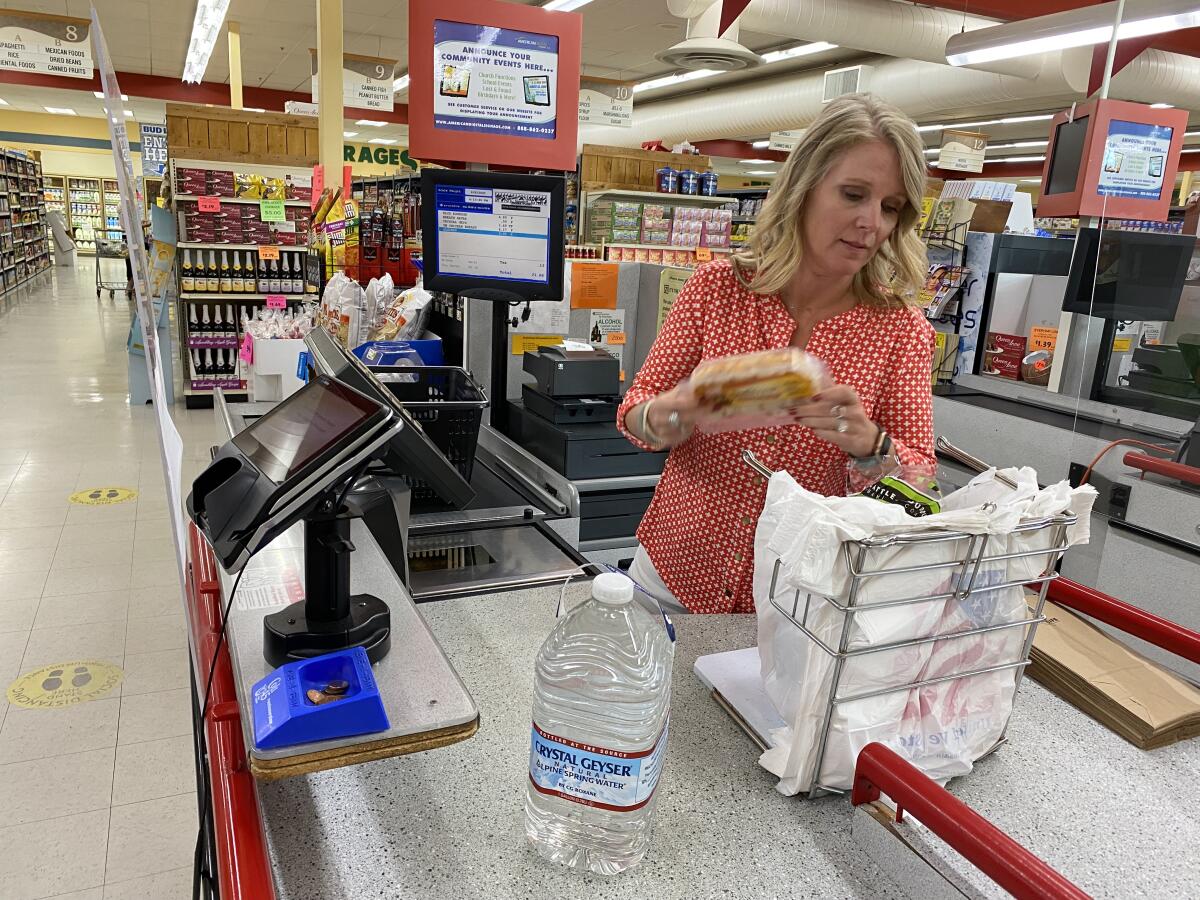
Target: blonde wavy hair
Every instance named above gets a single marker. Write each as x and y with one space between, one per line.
893 275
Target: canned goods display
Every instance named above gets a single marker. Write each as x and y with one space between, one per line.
689 182
667 180
708 184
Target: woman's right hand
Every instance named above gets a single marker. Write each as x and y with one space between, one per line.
672 416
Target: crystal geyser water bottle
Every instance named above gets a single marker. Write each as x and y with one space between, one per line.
601 701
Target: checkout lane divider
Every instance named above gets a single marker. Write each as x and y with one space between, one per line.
243 863
1014 868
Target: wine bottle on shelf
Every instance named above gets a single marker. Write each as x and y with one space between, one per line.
236 279
297 273
193 320
209 365
187 277
230 359
205 323
273 277
285 274
264 286
212 275
218 323
197 363
230 321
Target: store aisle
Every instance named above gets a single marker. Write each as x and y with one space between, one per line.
98 796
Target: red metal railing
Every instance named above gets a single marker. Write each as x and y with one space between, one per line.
1130 619
1006 862
243 865
1169 468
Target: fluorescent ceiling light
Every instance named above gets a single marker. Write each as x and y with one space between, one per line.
762 145
1081 27
668 80
756 162
129 114
799 50
59 110
99 95
565 5
1011 120
382 141
1162 105
1031 180
206 28
1012 159
3 102
253 109
929 150
1016 144
349 134
1190 150
400 84
372 122
761 172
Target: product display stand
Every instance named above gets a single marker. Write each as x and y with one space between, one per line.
24 251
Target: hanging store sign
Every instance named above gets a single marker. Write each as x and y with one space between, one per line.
394 157
785 141
45 44
366 81
603 101
962 151
154 149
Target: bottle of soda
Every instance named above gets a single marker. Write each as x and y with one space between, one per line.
602 699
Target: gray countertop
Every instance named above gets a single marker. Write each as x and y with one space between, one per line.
449 823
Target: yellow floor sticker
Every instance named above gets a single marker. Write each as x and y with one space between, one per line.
103 496
64 684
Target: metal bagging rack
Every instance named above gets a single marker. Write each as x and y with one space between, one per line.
974 553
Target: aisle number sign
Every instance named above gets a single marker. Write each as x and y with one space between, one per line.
366 81
603 101
962 151
45 44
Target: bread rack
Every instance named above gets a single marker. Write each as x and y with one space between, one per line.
961 584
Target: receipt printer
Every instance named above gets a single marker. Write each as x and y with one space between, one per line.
574 373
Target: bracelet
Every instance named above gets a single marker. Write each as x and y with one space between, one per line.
648 432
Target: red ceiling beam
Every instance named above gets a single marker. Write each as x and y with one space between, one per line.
738 150
172 90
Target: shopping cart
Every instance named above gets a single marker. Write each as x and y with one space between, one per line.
972 553
110 244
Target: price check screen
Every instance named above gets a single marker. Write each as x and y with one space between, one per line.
493 233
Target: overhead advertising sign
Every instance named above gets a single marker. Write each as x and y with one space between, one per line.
603 101
785 140
1135 158
962 151
494 80
504 75
154 148
366 81
45 44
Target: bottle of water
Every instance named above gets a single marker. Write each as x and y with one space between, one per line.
602 698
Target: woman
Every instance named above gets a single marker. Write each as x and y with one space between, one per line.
834 268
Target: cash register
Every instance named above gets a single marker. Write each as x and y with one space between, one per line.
568 416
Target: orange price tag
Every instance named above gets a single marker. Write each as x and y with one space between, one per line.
209 204
703 254
616 337
268 252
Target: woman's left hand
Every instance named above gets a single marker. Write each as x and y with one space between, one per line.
837 416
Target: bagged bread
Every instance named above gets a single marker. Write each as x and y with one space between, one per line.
755 390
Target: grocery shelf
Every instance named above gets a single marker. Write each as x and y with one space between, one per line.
216 295
674 247
200 245
223 200
675 199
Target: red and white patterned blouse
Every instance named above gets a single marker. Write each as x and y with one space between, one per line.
699 529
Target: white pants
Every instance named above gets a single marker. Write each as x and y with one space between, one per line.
642 571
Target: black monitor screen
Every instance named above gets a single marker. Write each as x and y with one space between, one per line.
295 433
1128 274
1069 140
493 233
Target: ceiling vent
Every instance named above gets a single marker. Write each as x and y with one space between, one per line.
719 54
852 80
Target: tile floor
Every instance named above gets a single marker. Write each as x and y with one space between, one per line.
97 800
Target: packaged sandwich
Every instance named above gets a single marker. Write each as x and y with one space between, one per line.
755 390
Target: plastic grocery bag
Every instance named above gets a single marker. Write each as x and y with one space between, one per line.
942 728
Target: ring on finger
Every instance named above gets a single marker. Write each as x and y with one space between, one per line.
842 425
673 418
837 410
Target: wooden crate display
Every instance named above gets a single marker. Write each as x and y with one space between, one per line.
233 135
626 168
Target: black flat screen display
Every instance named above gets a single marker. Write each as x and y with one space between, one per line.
298 431
1132 275
1069 138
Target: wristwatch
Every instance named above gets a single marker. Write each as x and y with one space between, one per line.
879 453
